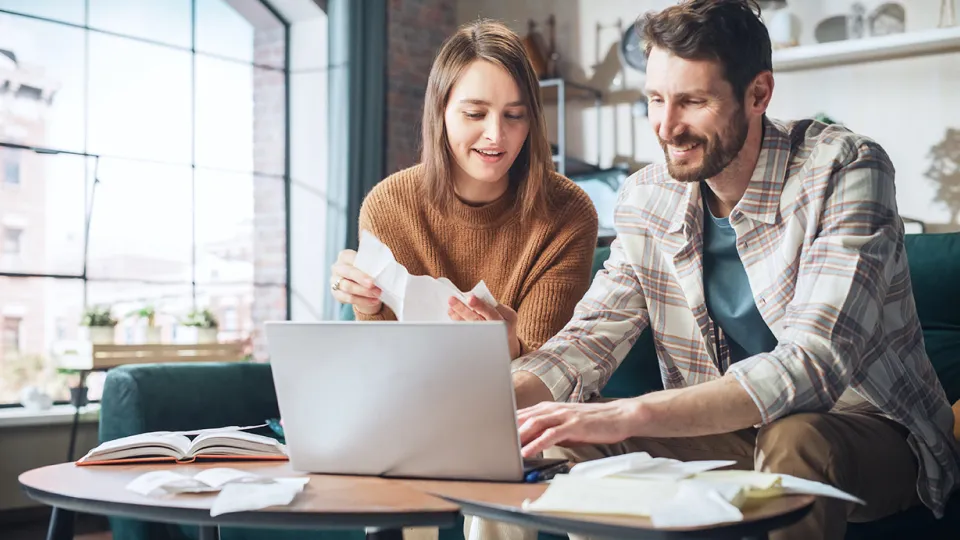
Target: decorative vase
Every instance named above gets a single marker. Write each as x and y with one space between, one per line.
78 396
206 335
151 335
98 335
784 28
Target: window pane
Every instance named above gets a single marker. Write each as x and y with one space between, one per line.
223 31
141 224
139 100
172 302
225 119
41 217
62 10
35 312
225 221
165 21
232 306
243 30
46 61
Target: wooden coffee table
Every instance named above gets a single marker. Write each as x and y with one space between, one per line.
502 502
381 506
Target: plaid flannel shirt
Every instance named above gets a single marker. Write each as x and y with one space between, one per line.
821 241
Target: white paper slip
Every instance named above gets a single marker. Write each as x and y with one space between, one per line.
411 298
761 484
165 482
640 465
158 482
693 506
247 496
220 476
602 496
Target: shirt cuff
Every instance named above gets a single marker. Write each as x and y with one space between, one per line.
768 383
563 381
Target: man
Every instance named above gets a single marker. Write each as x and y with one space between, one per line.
769 261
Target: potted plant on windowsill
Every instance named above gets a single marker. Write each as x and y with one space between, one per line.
152 331
204 323
97 325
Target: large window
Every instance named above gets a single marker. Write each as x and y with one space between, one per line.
147 142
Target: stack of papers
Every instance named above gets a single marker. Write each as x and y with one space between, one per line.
238 490
671 493
412 298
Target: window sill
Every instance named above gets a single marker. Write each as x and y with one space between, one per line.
54 416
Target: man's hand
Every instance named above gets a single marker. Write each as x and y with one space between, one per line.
565 424
719 406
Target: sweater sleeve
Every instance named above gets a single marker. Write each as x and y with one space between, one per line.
551 299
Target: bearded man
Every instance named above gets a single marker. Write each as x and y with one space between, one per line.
768 260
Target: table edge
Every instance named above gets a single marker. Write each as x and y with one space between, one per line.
254 519
561 524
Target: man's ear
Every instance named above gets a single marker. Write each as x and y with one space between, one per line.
760 92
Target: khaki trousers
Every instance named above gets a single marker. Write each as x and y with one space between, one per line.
861 453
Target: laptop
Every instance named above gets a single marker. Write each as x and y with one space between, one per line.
399 399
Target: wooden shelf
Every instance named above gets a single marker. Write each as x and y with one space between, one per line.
870 49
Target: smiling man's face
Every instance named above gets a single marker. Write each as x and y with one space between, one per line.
699 122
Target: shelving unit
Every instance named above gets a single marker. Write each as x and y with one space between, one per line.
559 92
869 49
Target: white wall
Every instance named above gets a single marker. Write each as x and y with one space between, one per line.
906 105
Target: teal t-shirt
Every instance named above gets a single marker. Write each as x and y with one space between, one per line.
729 299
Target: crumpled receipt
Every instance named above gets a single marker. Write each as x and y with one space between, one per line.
238 490
666 489
412 298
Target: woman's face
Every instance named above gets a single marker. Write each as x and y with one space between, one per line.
487 123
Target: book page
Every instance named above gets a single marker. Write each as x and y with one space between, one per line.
235 443
144 445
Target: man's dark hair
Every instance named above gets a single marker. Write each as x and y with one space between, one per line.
727 31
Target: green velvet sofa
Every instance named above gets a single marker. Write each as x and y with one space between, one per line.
144 398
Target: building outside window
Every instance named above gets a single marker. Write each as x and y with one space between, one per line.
164 123
11 168
11 336
12 241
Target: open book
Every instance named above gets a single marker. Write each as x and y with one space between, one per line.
227 444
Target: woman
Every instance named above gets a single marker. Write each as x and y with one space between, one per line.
484 203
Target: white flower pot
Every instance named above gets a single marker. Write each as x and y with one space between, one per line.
151 334
206 335
98 335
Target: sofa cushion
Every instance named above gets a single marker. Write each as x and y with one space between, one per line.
136 398
639 373
935 274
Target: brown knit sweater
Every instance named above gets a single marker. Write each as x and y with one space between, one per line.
540 270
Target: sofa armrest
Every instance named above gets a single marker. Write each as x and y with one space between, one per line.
178 397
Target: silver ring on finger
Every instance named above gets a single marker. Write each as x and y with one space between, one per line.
336 285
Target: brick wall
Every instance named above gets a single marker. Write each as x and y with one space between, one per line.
269 230
415 31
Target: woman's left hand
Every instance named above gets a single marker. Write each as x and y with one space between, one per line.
478 310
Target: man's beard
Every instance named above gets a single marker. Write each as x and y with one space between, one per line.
718 151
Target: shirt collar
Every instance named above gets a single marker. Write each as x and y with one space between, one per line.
761 200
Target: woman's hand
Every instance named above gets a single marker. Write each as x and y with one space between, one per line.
351 286
478 310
